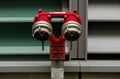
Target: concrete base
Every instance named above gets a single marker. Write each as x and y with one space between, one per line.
93 75
35 76
98 75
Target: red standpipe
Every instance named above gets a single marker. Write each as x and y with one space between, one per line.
57 45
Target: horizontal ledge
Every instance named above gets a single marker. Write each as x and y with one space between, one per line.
35 66
103 20
70 66
30 19
23 50
100 66
16 19
23 19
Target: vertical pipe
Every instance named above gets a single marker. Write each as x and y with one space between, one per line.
57 69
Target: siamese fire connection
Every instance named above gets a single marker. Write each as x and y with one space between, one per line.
71 31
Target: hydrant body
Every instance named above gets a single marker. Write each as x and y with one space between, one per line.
72 22
71 31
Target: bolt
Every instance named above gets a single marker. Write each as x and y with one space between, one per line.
65 16
77 16
39 10
36 16
75 11
49 16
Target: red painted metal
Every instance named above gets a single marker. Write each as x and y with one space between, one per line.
57 45
57 48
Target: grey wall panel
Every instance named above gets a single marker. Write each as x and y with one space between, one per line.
104 44
82 44
65 4
104 10
79 47
73 5
104 38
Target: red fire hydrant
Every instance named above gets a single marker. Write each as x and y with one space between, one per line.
71 31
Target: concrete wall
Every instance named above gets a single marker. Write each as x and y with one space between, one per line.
100 75
67 76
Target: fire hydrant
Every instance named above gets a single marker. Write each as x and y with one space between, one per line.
71 30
